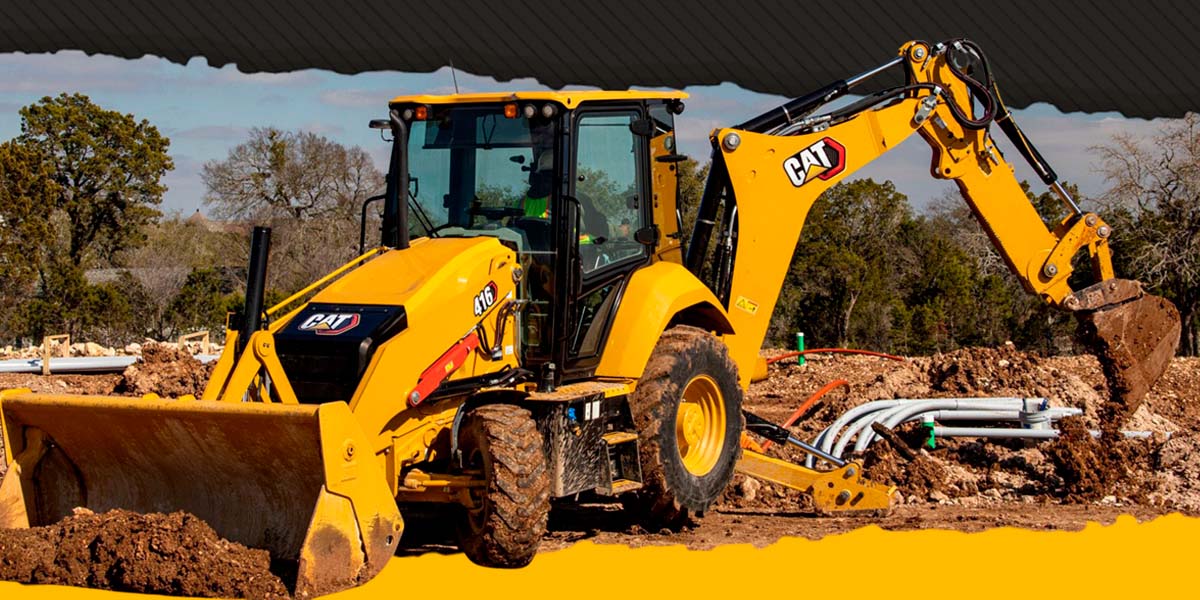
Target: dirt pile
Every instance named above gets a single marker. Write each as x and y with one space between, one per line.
62 384
1179 471
176 554
166 371
1092 468
1156 472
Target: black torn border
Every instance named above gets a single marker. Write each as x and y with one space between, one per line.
1138 59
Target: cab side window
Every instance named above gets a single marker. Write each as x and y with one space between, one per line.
608 187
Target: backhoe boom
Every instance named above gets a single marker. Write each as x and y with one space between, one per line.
767 174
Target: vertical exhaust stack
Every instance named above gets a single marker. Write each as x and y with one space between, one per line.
256 283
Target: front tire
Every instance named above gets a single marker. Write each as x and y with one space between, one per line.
688 411
507 523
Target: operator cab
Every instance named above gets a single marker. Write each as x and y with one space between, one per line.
566 179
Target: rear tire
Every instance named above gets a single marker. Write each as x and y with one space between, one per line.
506 526
688 412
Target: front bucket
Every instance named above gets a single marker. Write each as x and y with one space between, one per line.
300 481
1134 335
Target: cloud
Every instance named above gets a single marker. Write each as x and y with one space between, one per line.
324 129
231 133
355 98
230 74
71 70
185 189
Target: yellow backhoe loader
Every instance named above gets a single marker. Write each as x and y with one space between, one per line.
534 326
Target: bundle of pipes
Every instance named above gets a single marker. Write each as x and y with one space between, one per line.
1034 415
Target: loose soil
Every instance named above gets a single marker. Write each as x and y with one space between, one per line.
1076 468
961 484
166 371
1135 341
176 554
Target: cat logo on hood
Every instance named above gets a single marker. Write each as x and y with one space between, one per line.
330 323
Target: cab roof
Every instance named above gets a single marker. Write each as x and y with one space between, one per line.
569 99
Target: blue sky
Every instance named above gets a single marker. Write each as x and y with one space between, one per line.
205 111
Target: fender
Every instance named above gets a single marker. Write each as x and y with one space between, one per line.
660 295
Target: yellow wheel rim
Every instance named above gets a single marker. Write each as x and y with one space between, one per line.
700 425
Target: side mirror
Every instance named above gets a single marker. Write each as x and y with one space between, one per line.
647 236
642 127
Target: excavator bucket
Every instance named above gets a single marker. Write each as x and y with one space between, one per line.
1134 334
300 481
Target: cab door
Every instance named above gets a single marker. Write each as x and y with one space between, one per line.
610 183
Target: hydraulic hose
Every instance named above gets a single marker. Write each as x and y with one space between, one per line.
980 90
807 404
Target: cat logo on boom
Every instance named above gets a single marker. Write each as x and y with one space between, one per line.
821 160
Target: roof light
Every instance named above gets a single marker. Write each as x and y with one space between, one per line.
407 115
548 110
422 113
530 111
510 111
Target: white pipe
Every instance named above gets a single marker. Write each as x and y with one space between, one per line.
827 437
824 440
80 364
992 415
897 416
1037 434
949 414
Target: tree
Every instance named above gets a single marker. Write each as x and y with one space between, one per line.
308 188
91 179
692 177
175 248
26 185
845 266
300 175
1004 311
107 166
1154 208
201 302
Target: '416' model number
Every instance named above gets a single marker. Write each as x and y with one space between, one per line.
486 298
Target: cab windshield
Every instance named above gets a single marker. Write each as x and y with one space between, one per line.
474 172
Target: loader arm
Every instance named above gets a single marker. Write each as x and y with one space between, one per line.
768 172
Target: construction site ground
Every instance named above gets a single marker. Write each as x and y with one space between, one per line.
963 484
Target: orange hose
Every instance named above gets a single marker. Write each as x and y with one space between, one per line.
794 354
807 404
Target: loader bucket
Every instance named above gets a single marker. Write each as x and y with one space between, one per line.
1134 334
300 481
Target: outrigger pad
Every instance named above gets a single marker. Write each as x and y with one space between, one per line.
842 490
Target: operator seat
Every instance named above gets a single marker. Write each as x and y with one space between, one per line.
538 232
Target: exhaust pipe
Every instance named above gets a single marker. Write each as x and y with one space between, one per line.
256 283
